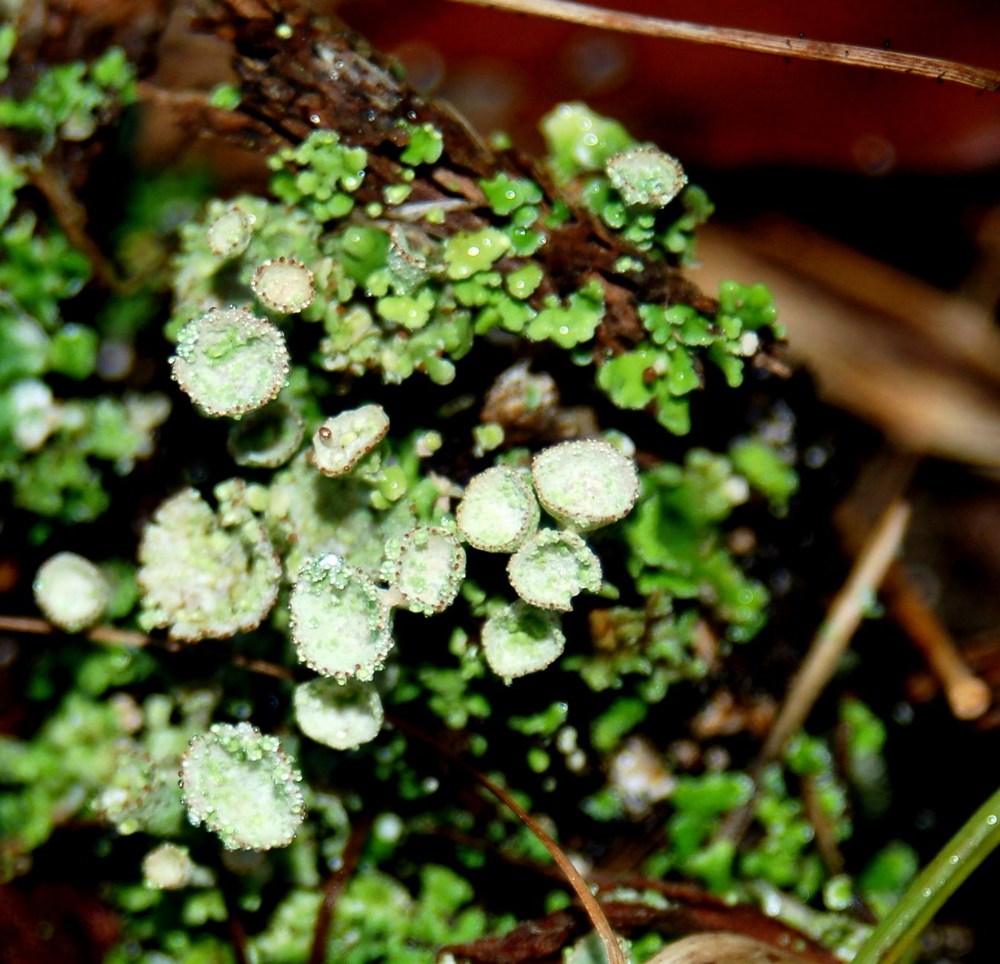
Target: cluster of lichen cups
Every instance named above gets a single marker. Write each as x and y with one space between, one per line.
210 573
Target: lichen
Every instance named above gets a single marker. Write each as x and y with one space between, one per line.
241 785
204 576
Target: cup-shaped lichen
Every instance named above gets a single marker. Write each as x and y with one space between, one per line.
340 714
266 438
428 569
285 285
229 234
341 625
552 567
240 784
646 175
344 440
520 639
498 511
230 362
585 484
71 591
202 577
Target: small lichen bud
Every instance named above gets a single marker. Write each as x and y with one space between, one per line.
552 567
429 569
498 511
230 362
342 715
341 625
344 440
71 591
229 234
241 785
646 175
519 639
285 285
168 867
585 484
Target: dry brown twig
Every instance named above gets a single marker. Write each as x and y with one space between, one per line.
798 48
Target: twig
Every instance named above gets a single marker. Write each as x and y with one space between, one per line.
237 932
968 696
99 634
833 636
828 646
333 888
573 877
72 217
792 47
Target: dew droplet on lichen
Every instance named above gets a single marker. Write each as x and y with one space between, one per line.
71 591
230 362
498 511
285 285
585 484
343 440
552 567
202 576
242 786
341 715
341 626
520 639
429 569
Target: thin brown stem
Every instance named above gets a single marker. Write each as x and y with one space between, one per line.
843 619
573 877
108 635
334 887
829 645
734 38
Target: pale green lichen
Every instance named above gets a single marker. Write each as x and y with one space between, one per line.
242 786
230 362
428 569
203 576
267 437
552 567
341 625
585 484
340 443
340 714
645 175
519 639
229 234
285 285
168 867
71 591
498 510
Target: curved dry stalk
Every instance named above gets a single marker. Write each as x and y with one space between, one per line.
573 876
754 40
828 645
843 618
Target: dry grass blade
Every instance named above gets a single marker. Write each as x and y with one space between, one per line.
736 39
